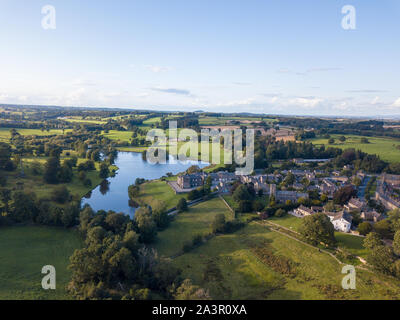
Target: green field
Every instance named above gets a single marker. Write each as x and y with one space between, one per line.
229 269
158 190
385 148
86 120
287 221
5 133
221 121
123 136
35 183
24 251
196 221
352 244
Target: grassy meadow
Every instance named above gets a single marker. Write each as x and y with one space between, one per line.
24 251
158 190
387 149
196 221
234 267
5 134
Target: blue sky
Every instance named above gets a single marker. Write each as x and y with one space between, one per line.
275 57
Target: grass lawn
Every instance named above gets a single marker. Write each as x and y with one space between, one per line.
123 136
36 184
5 133
228 267
385 148
197 220
160 190
24 251
287 221
351 243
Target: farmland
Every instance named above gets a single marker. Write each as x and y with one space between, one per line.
196 221
231 267
386 148
24 251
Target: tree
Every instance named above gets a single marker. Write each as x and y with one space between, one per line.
357 181
70 216
60 194
133 191
394 219
396 242
383 229
146 226
382 259
104 171
5 154
218 225
318 228
289 179
342 138
364 228
65 174
159 213
182 205
194 194
207 185
245 206
51 170
280 213
258 205
193 169
23 207
189 291
372 240
331 141
344 194
241 193
5 197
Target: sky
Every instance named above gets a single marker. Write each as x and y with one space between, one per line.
260 56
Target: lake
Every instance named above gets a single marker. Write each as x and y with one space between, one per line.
113 194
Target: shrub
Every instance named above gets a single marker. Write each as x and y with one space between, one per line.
182 205
60 194
280 213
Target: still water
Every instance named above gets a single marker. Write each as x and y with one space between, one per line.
114 194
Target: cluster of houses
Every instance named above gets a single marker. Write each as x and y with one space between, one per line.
341 220
387 192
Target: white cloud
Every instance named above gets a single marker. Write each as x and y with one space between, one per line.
307 102
375 100
157 69
396 103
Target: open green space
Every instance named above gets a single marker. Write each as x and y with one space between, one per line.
123 136
222 121
5 134
352 244
231 267
158 190
196 221
36 184
287 221
387 149
24 250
